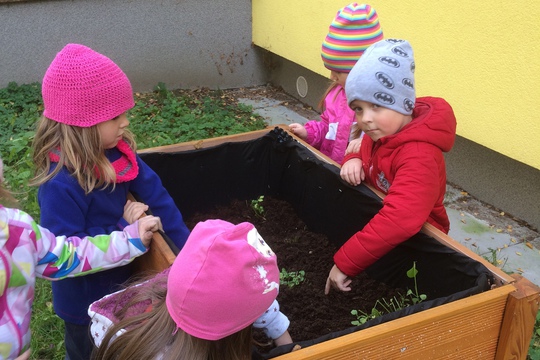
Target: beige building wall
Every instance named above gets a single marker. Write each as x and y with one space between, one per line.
481 56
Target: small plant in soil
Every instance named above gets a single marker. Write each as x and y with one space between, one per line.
395 303
291 278
257 206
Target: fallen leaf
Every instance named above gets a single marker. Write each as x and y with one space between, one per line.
513 240
463 221
518 253
464 193
467 239
502 213
529 245
499 230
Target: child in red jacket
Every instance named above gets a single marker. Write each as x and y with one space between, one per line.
401 156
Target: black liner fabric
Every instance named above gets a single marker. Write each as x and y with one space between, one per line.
277 165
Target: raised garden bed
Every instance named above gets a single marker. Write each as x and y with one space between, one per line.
466 315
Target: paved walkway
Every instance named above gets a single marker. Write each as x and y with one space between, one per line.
487 231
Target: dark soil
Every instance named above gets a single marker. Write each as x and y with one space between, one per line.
311 312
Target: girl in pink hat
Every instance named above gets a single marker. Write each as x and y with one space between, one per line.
86 165
27 250
222 283
354 29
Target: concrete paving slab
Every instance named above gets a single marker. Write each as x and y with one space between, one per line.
498 247
273 112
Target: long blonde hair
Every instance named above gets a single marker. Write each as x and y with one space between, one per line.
154 334
80 151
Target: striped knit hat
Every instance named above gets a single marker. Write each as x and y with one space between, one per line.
353 30
83 88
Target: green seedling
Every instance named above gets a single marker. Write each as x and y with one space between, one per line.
291 278
385 306
257 206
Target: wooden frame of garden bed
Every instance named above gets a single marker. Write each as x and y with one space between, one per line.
495 324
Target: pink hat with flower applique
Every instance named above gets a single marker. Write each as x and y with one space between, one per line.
225 277
83 88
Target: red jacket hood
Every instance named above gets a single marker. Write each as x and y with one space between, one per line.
433 122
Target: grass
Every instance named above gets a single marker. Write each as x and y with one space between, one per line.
161 117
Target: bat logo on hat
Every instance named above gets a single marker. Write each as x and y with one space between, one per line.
400 52
384 98
413 67
385 80
408 104
390 61
395 41
408 83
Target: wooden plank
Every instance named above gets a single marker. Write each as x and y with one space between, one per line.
519 320
158 257
464 329
206 143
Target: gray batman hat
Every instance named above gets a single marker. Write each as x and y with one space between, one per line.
384 75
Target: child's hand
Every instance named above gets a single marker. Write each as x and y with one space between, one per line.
133 210
352 172
354 146
299 130
24 356
337 280
148 225
284 339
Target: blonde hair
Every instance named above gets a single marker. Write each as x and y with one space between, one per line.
154 333
80 151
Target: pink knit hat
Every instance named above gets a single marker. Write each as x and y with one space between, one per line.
82 88
354 29
224 278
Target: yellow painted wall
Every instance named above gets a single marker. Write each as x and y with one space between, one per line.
483 57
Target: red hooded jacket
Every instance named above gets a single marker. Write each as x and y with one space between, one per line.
409 168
